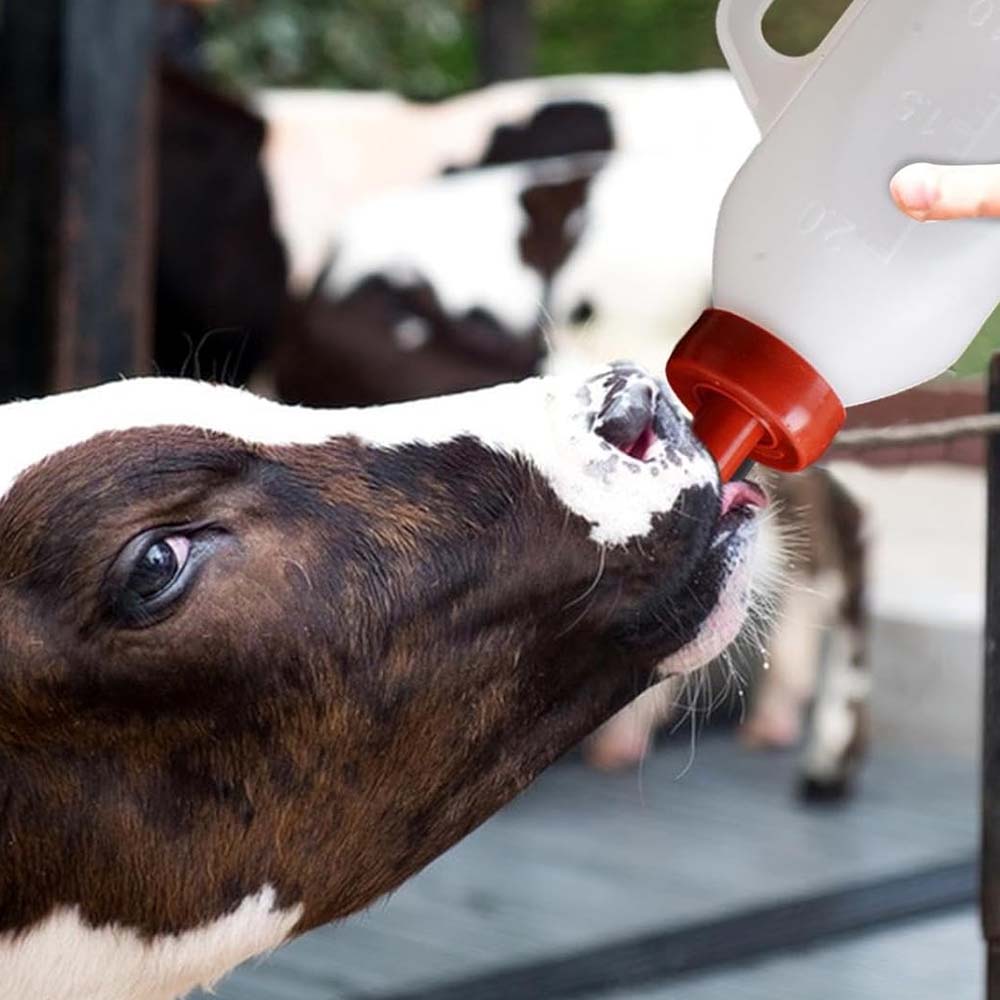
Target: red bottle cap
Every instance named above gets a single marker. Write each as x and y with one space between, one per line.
752 396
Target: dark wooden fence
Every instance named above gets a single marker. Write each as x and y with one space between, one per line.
505 39
76 192
990 876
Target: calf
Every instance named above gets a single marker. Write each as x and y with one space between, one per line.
569 262
470 281
263 663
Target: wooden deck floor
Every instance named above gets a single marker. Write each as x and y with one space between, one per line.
584 859
931 960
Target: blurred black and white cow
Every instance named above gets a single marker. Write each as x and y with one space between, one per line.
327 151
457 278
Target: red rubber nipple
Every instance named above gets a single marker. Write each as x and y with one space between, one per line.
752 396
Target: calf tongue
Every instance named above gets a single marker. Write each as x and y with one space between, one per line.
740 493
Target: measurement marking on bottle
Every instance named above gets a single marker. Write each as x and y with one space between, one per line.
959 132
834 230
942 122
920 111
984 15
827 224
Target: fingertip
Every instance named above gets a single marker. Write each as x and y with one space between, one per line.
916 190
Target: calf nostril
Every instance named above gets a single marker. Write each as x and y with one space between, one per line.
626 419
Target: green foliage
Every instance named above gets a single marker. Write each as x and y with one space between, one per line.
424 48
796 27
977 358
626 36
417 47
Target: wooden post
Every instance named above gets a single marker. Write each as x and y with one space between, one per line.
505 35
990 874
76 192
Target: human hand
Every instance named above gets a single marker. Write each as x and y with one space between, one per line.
927 192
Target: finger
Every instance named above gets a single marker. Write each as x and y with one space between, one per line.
927 192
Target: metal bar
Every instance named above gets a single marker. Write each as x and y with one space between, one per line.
505 33
106 242
76 185
676 953
29 183
990 878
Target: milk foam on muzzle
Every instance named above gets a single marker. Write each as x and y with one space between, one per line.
825 295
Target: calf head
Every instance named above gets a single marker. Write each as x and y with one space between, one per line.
437 290
263 663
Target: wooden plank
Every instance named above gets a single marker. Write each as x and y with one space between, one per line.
77 100
105 277
30 36
583 859
990 888
676 953
928 960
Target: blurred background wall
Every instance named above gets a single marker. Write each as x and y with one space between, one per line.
430 49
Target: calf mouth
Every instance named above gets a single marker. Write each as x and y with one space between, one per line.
719 596
696 621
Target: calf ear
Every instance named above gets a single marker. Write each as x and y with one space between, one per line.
563 128
546 241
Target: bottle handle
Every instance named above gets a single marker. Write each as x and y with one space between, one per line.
768 79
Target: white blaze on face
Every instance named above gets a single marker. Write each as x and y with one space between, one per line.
546 421
644 260
64 958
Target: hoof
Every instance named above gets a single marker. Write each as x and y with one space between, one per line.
824 791
771 731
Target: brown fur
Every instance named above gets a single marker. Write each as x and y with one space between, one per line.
371 660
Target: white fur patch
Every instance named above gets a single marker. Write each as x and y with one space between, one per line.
63 958
644 260
460 234
546 421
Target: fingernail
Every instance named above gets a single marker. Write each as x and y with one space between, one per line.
915 190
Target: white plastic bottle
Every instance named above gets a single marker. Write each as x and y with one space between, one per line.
825 294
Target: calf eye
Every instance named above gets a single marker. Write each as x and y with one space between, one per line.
155 570
583 312
158 566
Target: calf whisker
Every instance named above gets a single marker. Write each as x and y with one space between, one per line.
596 581
591 593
